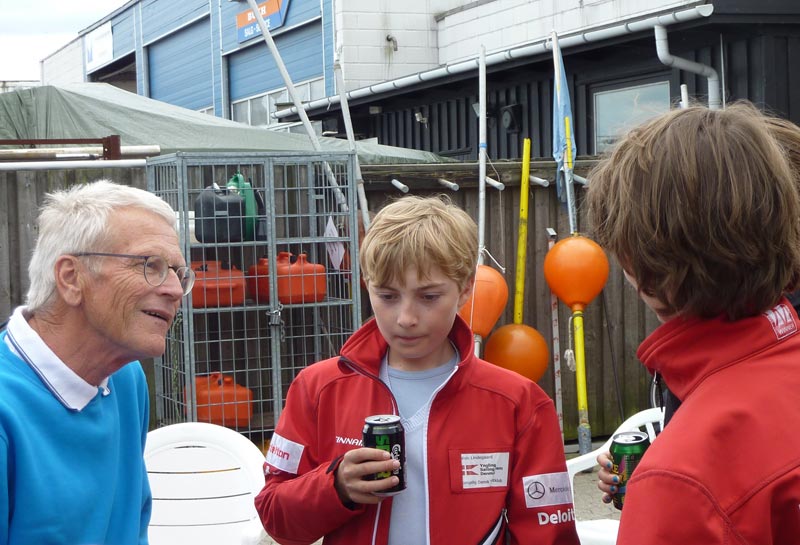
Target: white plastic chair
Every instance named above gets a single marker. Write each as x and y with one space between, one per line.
604 531
204 478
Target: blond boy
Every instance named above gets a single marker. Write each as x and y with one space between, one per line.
484 456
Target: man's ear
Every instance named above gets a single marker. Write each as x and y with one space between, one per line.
67 274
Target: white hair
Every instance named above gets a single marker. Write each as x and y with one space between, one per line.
75 220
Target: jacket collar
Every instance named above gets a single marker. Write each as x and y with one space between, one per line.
687 350
366 347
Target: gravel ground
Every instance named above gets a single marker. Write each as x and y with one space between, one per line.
588 505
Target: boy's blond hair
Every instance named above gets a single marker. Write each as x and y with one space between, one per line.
421 233
701 208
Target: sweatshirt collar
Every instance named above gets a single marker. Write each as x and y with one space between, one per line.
71 390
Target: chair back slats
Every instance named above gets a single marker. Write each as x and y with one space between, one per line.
204 479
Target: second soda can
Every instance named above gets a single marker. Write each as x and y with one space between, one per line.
627 449
385 432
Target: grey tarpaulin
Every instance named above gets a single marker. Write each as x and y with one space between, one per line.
95 110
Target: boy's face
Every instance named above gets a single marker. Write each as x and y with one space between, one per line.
662 313
416 317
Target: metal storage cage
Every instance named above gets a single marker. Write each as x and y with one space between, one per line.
272 242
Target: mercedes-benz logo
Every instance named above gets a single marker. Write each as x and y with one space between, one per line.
536 490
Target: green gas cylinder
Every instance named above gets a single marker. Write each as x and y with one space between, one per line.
237 184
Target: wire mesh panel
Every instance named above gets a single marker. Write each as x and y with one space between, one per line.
269 238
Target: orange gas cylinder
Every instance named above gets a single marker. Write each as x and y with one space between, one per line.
221 401
301 281
217 285
283 262
258 281
488 299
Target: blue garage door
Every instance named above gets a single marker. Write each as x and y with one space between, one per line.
180 67
253 70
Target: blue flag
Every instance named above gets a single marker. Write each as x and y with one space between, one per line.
563 133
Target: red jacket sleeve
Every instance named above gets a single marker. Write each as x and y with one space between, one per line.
664 508
299 504
540 507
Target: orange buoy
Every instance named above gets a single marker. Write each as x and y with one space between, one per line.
519 348
490 296
576 269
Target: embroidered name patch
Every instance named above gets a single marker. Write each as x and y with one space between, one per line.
484 470
284 454
547 489
781 320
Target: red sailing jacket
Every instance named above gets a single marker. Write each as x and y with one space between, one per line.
726 470
484 416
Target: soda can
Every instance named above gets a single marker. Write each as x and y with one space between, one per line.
385 432
627 449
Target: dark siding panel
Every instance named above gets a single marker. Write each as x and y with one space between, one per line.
180 67
792 75
759 65
756 73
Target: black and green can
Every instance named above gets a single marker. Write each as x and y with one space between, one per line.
385 432
627 449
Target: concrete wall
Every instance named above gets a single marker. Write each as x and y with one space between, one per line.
500 24
361 30
65 65
431 33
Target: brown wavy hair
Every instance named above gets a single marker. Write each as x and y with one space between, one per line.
702 209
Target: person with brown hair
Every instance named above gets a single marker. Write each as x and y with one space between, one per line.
702 209
484 458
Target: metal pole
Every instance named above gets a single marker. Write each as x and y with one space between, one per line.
348 127
67 165
340 198
522 235
481 168
551 241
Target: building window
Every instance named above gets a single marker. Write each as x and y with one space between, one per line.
617 110
207 111
258 110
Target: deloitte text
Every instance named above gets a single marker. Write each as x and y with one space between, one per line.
556 518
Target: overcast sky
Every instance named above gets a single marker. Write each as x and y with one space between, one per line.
31 30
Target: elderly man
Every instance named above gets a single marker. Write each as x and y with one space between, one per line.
106 280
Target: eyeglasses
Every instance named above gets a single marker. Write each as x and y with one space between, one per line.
155 269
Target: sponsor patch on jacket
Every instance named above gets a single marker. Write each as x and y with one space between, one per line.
284 454
484 470
781 320
547 489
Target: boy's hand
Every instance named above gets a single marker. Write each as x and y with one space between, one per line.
609 481
355 465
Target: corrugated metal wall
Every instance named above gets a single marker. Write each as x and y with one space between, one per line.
180 67
253 69
758 65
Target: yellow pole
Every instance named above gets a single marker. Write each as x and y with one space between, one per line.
522 237
568 133
584 430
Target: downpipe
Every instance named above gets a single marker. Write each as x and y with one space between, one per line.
662 49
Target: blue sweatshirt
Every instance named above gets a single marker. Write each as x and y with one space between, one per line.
72 477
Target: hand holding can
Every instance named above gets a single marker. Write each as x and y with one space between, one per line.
385 432
627 449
